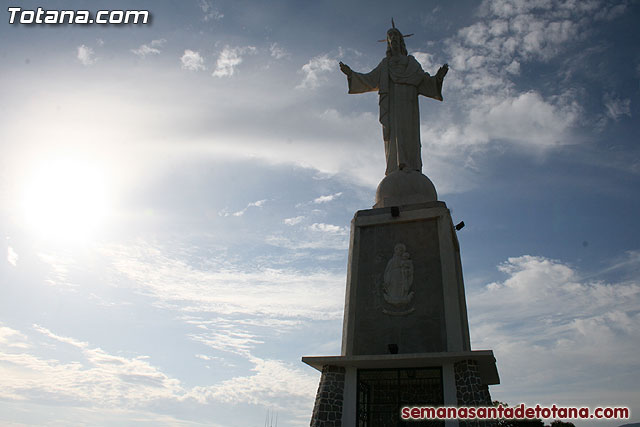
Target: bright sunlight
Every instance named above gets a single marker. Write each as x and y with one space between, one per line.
66 199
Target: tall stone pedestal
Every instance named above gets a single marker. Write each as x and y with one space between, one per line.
405 339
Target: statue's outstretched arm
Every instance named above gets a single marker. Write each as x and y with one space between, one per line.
345 69
442 71
431 86
361 82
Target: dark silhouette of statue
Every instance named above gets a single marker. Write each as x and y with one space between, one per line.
399 79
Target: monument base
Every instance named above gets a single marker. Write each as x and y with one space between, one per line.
418 310
371 390
405 339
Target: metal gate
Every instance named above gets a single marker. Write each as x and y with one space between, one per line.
383 392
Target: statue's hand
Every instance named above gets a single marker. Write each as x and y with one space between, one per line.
442 72
345 69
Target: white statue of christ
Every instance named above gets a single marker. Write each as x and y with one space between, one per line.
399 79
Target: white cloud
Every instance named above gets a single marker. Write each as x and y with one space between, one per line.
152 48
544 286
347 139
257 204
60 263
235 311
272 380
13 338
229 59
59 338
93 377
329 228
615 107
214 285
314 71
488 111
86 55
210 12
548 327
513 68
12 256
192 61
293 221
523 30
484 108
509 34
609 12
525 122
278 52
426 60
317 239
224 335
527 119
327 198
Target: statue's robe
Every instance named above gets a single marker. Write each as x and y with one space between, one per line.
399 80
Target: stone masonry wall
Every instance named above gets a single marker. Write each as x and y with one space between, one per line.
327 411
470 391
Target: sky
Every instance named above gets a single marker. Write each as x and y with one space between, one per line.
176 197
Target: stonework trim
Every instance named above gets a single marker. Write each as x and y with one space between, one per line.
327 411
471 391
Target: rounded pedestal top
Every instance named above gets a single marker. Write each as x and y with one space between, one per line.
403 188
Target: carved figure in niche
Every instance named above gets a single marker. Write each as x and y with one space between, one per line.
399 79
398 277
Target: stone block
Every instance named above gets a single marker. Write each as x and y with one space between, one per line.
404 283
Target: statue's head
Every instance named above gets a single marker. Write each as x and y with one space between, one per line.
395 40
399 249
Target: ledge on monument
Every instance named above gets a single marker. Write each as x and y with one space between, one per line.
403 208
404 187
485 358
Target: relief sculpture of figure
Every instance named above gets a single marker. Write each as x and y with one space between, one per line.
399 79
398 277
407 273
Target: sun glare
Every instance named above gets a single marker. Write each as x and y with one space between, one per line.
66 199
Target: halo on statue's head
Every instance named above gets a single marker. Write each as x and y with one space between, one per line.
393 27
